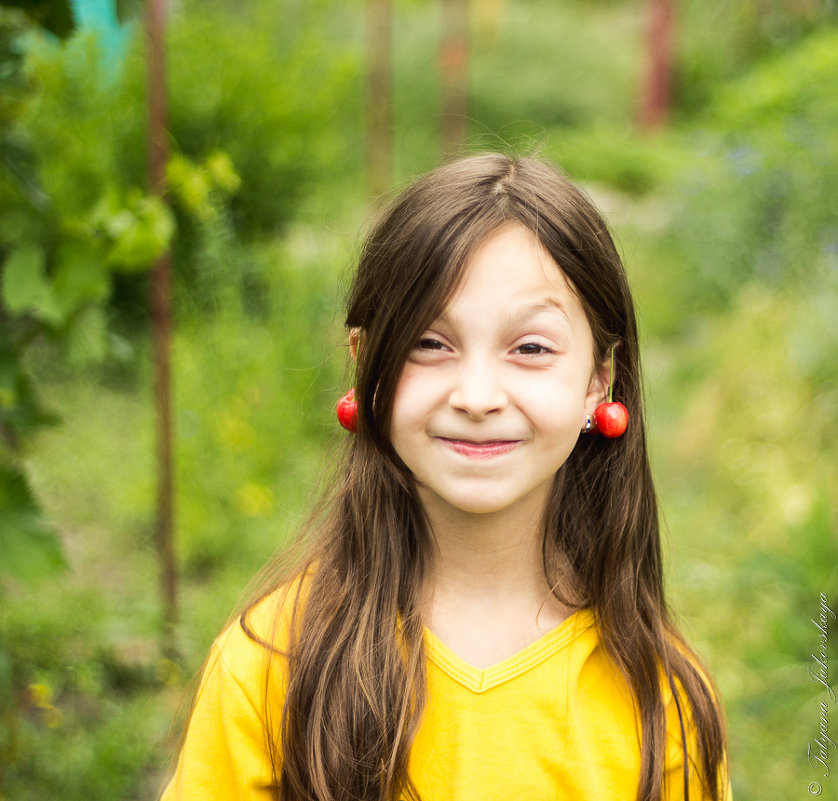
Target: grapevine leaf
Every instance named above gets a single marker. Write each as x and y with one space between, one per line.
87 337
141 235
29 547
80 277
26 288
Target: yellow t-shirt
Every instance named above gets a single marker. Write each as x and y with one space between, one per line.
554 722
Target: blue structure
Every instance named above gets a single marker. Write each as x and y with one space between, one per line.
100 16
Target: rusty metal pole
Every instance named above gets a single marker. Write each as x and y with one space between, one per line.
161 313
657 89
379 97
453 64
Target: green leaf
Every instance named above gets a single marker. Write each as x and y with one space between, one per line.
80 277
26 288
223 173
142 233
191 185
21 412
54 15
29 547
86 341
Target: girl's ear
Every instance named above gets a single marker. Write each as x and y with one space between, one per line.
598 388
354 342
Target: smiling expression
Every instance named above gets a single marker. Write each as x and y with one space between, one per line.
494 394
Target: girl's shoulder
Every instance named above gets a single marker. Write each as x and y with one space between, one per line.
223 754
260 634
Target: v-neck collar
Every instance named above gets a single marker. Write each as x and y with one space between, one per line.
480 680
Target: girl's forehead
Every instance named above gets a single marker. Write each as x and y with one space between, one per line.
510 280
512 264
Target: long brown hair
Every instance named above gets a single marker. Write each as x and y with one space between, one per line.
355 661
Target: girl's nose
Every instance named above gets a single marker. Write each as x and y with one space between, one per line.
478 391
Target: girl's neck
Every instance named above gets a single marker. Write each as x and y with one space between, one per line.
488 556
489 597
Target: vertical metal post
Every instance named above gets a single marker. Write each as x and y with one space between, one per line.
453 63
161 290
379 97
655 101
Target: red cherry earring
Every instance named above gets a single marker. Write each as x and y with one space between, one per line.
347 411
611 418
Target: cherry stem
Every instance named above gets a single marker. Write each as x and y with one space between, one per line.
611 378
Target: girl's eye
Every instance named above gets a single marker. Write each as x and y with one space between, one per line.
532 349
430 344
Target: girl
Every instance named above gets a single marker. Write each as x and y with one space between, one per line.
480 613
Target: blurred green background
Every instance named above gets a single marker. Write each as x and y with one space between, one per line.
727 218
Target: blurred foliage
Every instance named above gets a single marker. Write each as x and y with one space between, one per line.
719 42
726 221
755 199
283 101
518 93
529 74
255 397
739 294
78 232
746 469
69 220
56 16
618 158
254 400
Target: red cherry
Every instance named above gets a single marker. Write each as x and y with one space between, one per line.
611 419
348 411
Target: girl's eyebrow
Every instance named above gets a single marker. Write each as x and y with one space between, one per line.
526 313
518 316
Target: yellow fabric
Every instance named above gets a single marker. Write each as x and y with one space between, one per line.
554 721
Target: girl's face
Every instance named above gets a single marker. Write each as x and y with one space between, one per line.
494 395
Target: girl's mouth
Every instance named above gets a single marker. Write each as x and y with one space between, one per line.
480 450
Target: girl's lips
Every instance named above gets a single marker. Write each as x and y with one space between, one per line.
480 450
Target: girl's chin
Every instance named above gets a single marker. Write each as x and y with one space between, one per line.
479 504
